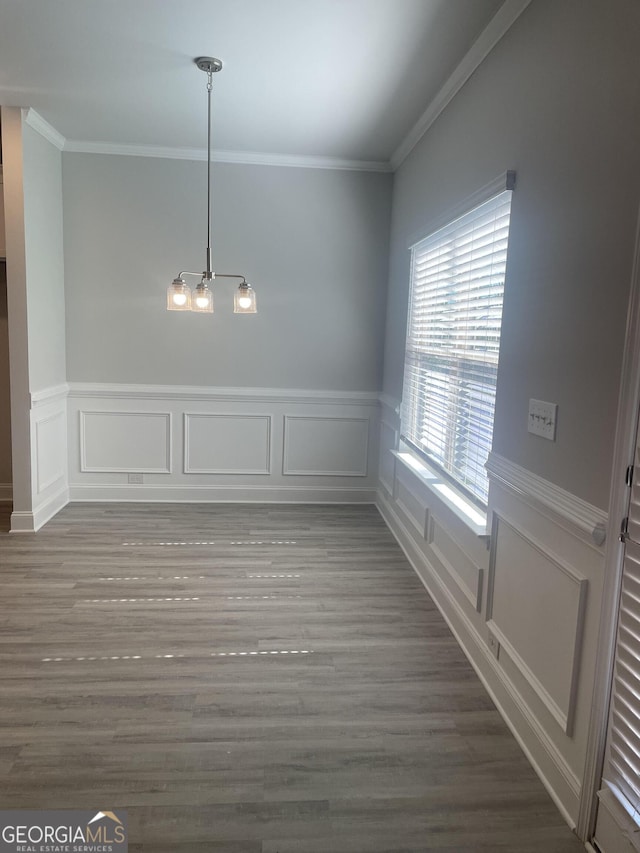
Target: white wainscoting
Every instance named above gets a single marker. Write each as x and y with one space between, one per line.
113 442
386 460
325 446
50 437
413 508
536 592
49 465
461 568
221 444
227 444
527 580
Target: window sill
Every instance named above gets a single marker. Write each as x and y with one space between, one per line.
460 505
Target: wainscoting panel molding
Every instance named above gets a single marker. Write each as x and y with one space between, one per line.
117 442
387 461
526 579
525 610
414 510
177 443
51 436
49 460
463 571
46 396
580 517
325 446
553 768
296 396
227 444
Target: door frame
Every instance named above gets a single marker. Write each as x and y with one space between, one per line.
623 455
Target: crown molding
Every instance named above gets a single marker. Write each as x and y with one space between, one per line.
302 161
247 158
46 130
501 22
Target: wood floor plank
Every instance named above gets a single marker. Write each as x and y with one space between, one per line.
250 679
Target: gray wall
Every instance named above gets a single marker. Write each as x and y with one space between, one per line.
43 235
314 243
558 100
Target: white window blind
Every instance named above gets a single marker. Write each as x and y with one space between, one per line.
622 765
624 737
453 342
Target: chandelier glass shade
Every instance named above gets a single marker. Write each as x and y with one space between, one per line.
202 299
178 296
244 300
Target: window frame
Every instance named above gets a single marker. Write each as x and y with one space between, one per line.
505 182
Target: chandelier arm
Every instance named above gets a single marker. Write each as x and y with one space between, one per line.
187 272
230 275
213 275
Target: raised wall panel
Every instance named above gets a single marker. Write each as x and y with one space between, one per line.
415 511
535 608
227 444
466 575
387 462
325 446
50 450
125 441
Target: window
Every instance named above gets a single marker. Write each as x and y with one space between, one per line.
453 342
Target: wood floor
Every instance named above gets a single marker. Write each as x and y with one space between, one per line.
251 679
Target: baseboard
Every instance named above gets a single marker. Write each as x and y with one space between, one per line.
31 522
22 522
222 494
560 781
6 493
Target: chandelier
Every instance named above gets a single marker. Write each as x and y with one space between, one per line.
179 295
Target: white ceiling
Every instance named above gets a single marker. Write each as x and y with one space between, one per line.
331 78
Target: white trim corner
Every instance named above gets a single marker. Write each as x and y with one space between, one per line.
497 27
42 126
583 517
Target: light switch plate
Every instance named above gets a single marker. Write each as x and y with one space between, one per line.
542 419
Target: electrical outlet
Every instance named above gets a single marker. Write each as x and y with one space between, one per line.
494 645
136 479
542 419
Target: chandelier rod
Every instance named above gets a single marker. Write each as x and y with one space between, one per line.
209 272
